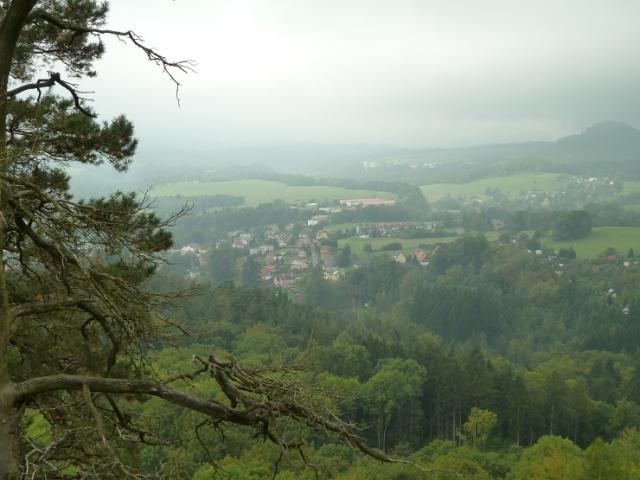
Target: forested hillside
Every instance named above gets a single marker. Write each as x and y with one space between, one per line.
605 148
370 316
491 365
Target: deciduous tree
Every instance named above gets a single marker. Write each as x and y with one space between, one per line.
479 425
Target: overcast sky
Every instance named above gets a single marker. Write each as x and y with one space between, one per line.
394 72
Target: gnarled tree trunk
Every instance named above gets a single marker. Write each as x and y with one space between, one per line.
10 435
11 25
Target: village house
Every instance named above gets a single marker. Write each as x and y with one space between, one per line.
298 263
282 239
241 240
238 242
317 219
266 272
400 258
368 202
271 257
333 274
304 241
188 250
284 281
330 210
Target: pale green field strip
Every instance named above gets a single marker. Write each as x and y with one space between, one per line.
600 238
256 192
408 244
631 187
511 186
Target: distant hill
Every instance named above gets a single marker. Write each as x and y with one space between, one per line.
155 165
604 134
604 141
607 148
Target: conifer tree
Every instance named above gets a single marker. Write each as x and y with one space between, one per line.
74 318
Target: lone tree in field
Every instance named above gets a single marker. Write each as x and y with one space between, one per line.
73 318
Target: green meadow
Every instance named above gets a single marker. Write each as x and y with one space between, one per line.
631 188
339 227
256 192
408 244
600 238
511 186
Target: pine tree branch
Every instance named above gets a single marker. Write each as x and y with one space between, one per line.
256 413
41 308
37 85
54 78
168 67
39 385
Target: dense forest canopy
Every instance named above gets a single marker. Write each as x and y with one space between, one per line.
481 331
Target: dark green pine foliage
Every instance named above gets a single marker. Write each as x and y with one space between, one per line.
77 317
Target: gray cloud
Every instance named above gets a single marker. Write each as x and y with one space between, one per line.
402 72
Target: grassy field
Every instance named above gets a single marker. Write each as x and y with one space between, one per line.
339 227
511 186
631 187
408 244
256 192
601 238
